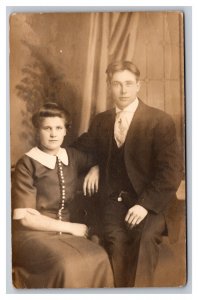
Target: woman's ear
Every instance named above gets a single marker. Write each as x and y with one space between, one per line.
37 135
68 127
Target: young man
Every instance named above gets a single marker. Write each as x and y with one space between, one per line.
136 149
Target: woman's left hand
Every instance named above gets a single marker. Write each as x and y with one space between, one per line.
79 230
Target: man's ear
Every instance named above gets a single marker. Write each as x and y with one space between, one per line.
108 87
138 85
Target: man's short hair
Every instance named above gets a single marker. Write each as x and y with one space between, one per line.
117 66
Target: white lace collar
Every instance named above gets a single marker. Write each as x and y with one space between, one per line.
46 159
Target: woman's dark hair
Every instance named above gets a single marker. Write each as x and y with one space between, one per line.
121 66
51 109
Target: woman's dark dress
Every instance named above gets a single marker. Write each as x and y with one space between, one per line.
48 259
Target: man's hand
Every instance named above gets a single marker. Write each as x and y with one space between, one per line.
91 181
135 215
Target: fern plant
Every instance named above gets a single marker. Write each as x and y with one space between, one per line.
43 81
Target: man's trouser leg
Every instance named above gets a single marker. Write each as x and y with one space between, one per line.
154 227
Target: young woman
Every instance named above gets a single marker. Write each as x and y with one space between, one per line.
49 251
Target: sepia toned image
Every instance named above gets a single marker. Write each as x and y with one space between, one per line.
97 120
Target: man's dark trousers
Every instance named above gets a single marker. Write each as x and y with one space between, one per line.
128 246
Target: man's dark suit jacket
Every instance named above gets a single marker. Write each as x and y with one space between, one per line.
151 154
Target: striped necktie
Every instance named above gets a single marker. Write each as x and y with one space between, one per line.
120 128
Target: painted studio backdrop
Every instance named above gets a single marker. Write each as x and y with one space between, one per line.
63 57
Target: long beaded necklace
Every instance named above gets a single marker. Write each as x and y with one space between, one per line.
62 189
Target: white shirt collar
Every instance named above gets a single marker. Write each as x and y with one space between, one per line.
131 108
46 159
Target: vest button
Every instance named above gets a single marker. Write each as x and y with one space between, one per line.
119 199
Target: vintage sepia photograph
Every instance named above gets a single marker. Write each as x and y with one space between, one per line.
97 143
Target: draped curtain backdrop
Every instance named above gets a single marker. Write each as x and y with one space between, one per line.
63 57
112 37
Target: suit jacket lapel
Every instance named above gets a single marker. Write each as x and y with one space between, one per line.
108 130
109 124
135 122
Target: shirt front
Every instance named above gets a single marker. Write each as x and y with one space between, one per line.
123 120
128 111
